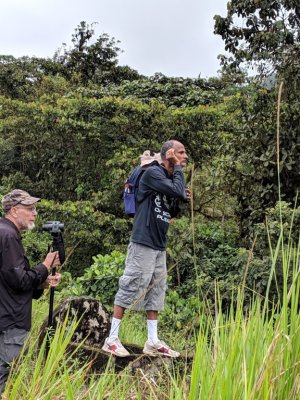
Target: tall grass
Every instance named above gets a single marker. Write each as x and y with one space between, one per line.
63 375
60 375
253 355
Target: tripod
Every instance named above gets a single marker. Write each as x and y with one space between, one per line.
55 228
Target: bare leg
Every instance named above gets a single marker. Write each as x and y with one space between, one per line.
118 311
151 314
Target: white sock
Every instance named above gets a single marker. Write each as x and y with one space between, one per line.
114 329
152 330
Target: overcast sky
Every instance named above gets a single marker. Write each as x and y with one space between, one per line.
174 37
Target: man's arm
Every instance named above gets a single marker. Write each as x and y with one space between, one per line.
15 268
156 180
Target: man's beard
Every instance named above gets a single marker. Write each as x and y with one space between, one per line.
25 226
31 226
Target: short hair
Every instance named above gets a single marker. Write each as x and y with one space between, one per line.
165 147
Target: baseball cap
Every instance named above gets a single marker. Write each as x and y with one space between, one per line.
17 196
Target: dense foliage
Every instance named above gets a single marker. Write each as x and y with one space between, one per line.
266 35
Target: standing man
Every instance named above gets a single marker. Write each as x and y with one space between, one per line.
144 281
19 284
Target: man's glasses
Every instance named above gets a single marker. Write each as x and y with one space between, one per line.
29 208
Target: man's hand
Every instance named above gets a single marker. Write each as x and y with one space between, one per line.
170 156
188 193
51 260
51 281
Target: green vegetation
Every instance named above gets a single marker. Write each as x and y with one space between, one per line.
71 130
251 355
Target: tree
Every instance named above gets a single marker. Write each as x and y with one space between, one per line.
26 78
17 77
83 65
96 62
267 34
263 32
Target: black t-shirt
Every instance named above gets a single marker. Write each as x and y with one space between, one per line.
158 201
18 283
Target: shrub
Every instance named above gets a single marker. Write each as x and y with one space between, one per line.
100 280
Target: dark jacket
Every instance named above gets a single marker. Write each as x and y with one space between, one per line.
157 202
18 283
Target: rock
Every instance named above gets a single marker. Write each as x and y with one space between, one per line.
94 324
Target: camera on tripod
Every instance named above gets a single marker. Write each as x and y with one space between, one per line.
55 228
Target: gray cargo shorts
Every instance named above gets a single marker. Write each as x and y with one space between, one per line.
144 281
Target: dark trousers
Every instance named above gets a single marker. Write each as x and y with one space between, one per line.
11 343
